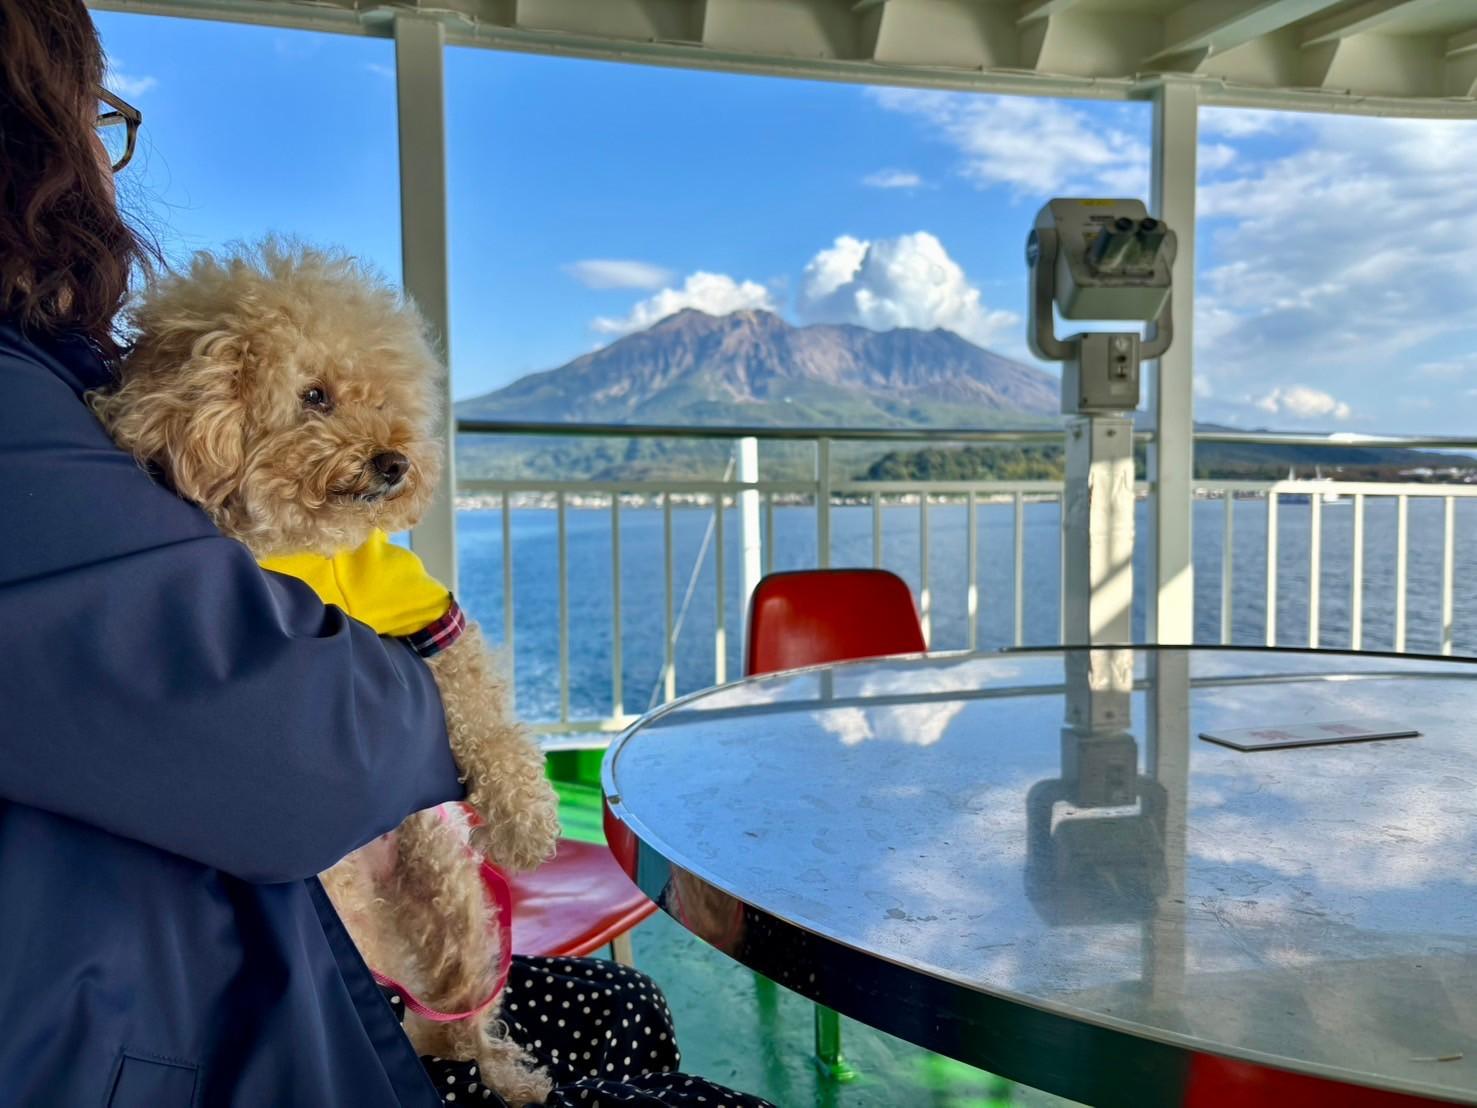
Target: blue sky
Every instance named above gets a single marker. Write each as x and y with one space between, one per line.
589 199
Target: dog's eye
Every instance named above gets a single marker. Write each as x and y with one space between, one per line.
316 399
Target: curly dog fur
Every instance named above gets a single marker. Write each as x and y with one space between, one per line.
262 384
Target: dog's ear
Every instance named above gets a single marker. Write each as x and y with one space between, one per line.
179 408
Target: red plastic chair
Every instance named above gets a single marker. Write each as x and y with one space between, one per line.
812 617
576 903
579 900
816 616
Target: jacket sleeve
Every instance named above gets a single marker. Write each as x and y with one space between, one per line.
156 683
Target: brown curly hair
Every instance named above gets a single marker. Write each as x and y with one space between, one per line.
66 253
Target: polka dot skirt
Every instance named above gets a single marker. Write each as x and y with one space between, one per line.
602 1030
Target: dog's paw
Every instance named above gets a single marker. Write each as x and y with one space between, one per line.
519 841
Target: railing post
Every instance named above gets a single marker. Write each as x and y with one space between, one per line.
749 537
420 93
1171 584
1448 567
823 503
1228 570
1356 578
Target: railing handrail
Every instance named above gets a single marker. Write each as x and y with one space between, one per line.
1339 438
1052 435
1048 435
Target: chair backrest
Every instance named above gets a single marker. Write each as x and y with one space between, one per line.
816 616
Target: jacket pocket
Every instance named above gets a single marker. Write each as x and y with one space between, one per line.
148 1081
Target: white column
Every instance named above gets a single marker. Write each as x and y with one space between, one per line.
420 88
749 537
1170 588
1097 521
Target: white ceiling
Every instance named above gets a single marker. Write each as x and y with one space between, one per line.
1416 57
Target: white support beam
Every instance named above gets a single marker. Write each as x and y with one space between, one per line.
1362 19
782 28
420 93
1060 48
941 33
1043 9
1216 26
1463 43
1170 588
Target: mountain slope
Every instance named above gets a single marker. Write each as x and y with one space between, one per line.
753 367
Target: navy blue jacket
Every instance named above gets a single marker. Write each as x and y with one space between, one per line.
185 741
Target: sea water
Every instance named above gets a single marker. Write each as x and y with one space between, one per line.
588 571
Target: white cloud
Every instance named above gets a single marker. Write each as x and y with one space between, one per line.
893 179
907 281
127 85
1343 259
380 69
618 273
1215 155
714 293
1448 368
1036 147
1303 402
1241 122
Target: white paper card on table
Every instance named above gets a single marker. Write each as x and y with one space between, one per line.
1309 734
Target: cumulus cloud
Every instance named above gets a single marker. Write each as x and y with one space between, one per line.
714 293
1034 146
618 273
1303 402
893 179
907 281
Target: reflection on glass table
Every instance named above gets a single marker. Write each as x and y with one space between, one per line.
1031 862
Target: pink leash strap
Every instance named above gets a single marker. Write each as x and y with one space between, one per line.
500 895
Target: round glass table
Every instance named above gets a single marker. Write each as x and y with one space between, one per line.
1034 863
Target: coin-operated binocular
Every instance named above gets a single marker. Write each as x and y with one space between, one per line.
1099 260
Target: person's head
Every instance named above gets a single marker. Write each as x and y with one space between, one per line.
66 254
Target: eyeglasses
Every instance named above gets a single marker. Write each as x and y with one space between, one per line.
118 123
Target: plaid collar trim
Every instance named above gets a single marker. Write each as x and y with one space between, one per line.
436 637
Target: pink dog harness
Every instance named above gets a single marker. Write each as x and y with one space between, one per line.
500 896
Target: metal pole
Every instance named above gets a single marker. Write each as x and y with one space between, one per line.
1098 532
823 503
420 94
1171 584
749 536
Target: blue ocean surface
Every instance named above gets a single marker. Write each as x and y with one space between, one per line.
536 578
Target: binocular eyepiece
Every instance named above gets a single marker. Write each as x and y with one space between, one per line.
1126 246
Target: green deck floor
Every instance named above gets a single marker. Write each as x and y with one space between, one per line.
757 1037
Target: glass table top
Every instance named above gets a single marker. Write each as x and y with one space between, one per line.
1049 828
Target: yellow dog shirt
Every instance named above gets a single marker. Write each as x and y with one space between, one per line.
385 586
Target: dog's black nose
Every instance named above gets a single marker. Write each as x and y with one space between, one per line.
391 465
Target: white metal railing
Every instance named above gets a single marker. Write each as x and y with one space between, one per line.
824 492
1316 495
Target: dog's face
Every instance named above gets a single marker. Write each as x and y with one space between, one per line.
288 393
